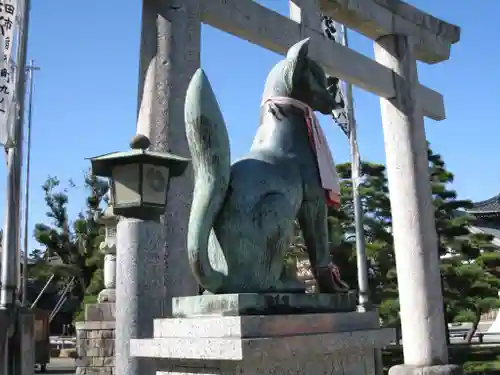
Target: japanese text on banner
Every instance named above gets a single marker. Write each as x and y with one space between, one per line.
8 23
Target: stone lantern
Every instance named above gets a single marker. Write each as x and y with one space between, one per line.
108 246
139 178
139 181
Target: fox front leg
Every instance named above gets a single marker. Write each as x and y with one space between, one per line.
313 223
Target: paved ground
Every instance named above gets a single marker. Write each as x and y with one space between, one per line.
60 366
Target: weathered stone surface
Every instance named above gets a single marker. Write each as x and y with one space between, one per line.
256 304
95 371
251 21
346 362
140 288
252 326
426 370
314 344
374 21
94 350
100 312
95 340
94 325
171 43
413 228
101 334
447 31
95 362
27 343
107 295
95 344
258 349
307 13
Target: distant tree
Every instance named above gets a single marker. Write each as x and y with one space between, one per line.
465 249
470 291
74 243
452 227
373 190
378 238
489 259
40 268
466 258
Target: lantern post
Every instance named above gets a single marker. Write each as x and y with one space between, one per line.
139 181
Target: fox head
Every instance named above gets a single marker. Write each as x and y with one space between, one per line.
300 78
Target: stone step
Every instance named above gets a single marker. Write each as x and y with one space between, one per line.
256 349
251 326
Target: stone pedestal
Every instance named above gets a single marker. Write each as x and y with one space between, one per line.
26 365
426 370
262 304
310 343
96 340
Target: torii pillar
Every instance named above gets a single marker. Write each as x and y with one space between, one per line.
414 231
152 265
167 64
402 35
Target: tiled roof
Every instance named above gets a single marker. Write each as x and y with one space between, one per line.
491 205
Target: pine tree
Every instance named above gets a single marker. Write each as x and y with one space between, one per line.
378 239
451 226
373 190
75 243
469 288
454 238
470 265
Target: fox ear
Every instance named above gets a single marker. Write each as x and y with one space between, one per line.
299 50
297 55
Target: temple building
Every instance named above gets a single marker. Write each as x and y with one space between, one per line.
487 214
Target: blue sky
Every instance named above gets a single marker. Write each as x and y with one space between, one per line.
86 92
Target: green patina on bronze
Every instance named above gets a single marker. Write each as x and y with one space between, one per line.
263 304
242 215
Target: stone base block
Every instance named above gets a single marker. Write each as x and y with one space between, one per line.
340 343
426 370
100 312
107 295
95 340
27 341
263 304
95 371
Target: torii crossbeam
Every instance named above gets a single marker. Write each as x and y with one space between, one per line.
170 54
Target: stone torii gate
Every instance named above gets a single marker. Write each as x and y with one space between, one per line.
170 54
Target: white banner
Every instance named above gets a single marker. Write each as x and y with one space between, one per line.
9 22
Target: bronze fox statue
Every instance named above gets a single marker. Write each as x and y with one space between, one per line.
242 216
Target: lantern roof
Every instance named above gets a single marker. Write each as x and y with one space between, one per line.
103 165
